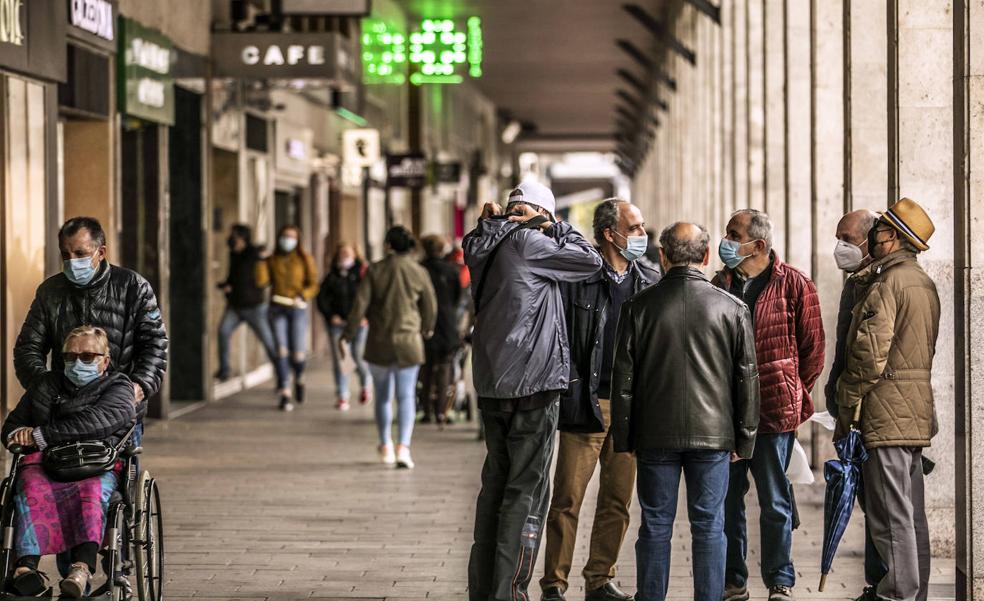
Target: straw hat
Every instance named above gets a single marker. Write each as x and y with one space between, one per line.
911 221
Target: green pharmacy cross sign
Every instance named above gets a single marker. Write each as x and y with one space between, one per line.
439 52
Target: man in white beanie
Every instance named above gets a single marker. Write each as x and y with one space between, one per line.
521 365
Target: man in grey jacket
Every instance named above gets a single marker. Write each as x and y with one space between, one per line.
521 364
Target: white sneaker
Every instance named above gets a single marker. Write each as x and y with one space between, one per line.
403 458
342 405
386 454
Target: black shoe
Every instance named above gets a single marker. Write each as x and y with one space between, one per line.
609 592
30 584
868 594
221 376
733 592
426 419
552 593
285 404
299 392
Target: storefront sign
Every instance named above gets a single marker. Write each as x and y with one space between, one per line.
447 173
406 170
361 147
32 38
146 83
337 8
11 31
280 55
97 17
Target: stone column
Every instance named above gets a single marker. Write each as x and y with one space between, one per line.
775 121
798 168
739 103
869 99
755 62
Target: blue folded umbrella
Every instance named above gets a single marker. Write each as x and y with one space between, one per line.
843 476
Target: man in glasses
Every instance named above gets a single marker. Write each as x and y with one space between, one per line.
90 291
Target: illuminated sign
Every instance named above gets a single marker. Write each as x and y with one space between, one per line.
10 22
439 51
147 86
94 16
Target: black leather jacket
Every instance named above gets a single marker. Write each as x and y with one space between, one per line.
685 375
117 300
586 305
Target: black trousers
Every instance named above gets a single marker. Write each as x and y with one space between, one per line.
512 505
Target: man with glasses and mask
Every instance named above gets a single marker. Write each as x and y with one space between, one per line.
789 348
885 390
90 291
592 307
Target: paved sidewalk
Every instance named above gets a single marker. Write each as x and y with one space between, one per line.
261 504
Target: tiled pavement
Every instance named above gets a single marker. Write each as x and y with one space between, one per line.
265 505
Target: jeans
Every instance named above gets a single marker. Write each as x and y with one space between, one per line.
513 502
706 474
357 347
768 466
405 379
256 319
290 326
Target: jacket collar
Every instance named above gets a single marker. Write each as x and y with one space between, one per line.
690 273
884 264
634 269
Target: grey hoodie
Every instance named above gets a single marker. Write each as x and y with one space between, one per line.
520 341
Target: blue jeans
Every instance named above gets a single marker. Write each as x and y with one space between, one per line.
768 466
405 379
256 319
290 326
357 347
706 474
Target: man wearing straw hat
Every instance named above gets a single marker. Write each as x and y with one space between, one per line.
889 363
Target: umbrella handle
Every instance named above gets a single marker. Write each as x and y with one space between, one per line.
857 414
823 582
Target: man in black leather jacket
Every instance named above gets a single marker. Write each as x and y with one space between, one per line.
685 395
90 291
592 308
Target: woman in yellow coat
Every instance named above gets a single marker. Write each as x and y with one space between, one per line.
291 272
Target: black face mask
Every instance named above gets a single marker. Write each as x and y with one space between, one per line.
232 244
873 239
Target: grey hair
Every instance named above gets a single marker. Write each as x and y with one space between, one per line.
606 217
909 246
759 226
683 251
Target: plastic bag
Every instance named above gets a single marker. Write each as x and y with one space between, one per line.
825 419
799 471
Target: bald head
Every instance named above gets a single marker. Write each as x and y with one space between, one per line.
853 227
684 244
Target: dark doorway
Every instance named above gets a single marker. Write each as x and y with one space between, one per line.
288 208
188 256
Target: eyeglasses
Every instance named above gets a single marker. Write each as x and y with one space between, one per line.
84 357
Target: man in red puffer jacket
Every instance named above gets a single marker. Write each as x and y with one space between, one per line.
789 347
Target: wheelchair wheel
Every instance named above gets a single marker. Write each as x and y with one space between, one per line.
148 543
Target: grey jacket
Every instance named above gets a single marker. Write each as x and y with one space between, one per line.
520 342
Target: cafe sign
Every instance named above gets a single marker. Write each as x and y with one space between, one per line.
11 31
146 80
281 56
94 21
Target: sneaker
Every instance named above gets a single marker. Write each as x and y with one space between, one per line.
75 584
342 405
285 404
403 459
364 397
552 593
868 594
780 593
386 454
733 592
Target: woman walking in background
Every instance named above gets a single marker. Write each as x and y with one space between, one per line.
293 276
436 376
335 302
397 298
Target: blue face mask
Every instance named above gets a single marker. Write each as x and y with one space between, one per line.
635 246
80 373
287 244
79 271
728 251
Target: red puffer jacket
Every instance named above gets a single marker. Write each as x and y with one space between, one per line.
789 345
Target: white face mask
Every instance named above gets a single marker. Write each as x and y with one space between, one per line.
848 256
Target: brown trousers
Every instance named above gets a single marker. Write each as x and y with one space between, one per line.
577 457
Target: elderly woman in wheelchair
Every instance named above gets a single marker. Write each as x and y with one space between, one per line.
85 404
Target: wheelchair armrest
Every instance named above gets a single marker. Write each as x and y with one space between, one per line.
131 451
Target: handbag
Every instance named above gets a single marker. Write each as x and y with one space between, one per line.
74 461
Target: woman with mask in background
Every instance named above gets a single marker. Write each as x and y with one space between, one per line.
335 300
437 374
291 273
84 402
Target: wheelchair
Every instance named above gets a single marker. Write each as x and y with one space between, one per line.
133 545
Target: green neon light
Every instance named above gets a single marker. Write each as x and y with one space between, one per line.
384 53
441 52
348 115
419 79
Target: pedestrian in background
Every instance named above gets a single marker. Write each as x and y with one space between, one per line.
436 376
398 300
685 396
592 307
521 366
335 300
293 277
789 346
245 301
888 372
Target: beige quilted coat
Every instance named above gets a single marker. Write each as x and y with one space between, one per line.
890 349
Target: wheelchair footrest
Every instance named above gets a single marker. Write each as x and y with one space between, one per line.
51 595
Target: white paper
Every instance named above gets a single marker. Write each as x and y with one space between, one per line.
799 471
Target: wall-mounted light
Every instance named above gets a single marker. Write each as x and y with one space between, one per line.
511 132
